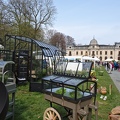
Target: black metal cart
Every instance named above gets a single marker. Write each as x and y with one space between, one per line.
71 88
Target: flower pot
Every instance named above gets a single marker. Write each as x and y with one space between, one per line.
103 90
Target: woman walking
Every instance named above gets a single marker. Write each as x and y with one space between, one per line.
110 67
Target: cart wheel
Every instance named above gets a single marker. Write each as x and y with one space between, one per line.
51 114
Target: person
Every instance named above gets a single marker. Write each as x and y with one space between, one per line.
110 67
116 65
119 67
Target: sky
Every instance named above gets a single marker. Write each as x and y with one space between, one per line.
84 20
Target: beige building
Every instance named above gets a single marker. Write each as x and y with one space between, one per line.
94 49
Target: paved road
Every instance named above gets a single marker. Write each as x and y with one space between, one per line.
115 76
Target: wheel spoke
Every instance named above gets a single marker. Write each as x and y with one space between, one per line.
46 118
48 114
51 114
55 117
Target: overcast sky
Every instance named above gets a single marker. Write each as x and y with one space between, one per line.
85 19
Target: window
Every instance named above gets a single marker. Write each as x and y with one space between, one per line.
105 52
100 57
100 52
81 52
105 57
111 52
118 58
70 54
77 53
119 53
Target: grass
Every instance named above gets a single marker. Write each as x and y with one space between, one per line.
112 100
31 105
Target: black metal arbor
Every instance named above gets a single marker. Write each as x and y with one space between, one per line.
32 58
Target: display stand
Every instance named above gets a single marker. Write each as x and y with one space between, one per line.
22 65
8 78
71 89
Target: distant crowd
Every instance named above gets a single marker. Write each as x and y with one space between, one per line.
112 65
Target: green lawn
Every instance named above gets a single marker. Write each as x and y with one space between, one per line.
31 105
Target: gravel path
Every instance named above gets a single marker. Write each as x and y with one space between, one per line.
115 76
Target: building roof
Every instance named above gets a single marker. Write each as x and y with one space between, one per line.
93 42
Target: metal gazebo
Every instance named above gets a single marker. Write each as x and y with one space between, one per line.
32 58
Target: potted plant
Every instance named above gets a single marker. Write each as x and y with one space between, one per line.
100 73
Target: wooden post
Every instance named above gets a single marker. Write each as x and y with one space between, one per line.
110 89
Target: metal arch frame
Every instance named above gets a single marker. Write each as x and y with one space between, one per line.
47 50
4 63
42 45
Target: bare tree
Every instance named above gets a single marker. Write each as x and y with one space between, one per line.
58 40
49 34
1 11
43 13
31 13
16 14
4 26
70 40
